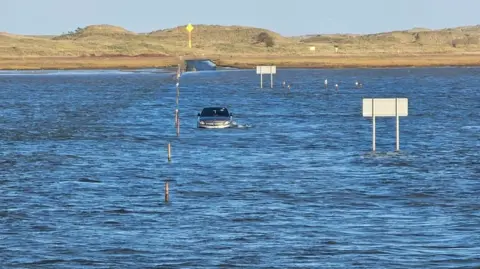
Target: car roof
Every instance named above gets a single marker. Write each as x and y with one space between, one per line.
215 107
215 112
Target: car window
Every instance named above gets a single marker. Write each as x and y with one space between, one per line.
215 112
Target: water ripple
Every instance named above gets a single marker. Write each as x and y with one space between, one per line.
295 185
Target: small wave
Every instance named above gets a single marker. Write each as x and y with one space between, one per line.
139 139
111 222
144 177
379 196
419 204
420 195
201 193
378 154
14 215
45 262
241 126
118 211
240 239
247 219
43 228
70 156
88 180
471 127
401 164
7 162
86 262
124 251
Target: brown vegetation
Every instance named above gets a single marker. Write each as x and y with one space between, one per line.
106 46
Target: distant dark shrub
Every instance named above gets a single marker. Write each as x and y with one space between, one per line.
264 37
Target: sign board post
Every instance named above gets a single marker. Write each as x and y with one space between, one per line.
373 126
261 78
385 107
271 80
189 29
397 133
266 70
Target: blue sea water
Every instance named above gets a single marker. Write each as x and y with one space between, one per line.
83 164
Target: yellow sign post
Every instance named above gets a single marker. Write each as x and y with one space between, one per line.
189 29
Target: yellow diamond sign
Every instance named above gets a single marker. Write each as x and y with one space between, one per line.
189 27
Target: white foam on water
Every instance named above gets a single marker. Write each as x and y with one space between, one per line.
240 126
471 127
386 154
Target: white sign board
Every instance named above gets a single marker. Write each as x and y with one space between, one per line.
385 107
266 69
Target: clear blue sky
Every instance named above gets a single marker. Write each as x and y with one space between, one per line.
288 17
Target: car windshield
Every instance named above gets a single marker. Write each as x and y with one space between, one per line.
215 112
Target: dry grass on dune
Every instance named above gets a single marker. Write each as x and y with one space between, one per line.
235 40
35 63
111 40
95 30
240 62
352 61
237 46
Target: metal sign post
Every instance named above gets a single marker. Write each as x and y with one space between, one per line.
266 70
271 80
189 29
373 126
397 133
385 107
261 79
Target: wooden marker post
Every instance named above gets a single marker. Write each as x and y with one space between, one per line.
178 127
178 94
176 118
169 152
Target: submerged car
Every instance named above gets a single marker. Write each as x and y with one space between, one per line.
215 118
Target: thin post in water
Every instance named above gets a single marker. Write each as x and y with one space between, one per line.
176 118
178 127
178 94
169 152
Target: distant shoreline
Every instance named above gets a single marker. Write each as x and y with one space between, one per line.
241 62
